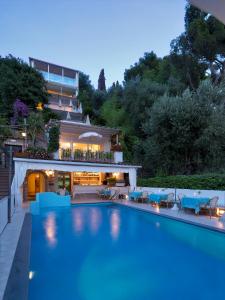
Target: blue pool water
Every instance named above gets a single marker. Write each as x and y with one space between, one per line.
112 252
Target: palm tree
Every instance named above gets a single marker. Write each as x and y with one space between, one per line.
35 126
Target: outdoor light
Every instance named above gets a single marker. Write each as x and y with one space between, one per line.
49 173
24 134
220 211
39 106
31 275
116 174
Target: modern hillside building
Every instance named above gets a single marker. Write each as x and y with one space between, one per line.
63 87
89 156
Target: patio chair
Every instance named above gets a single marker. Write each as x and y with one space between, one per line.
169 200
143 197
178 200
211 205
115 195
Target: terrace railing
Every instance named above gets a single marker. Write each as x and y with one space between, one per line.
88 156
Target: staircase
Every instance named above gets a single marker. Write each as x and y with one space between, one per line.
4 181
4 173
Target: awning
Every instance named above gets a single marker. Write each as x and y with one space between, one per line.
214 7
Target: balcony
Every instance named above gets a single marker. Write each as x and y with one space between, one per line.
59 79
86 156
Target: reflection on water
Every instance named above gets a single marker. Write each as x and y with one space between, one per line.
50 229
78 220
95 220
115 224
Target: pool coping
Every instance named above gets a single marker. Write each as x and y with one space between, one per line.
143 209
18 280
179 219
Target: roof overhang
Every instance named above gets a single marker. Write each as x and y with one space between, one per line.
214 7
80 128
56 163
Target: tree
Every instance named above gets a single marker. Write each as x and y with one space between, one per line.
20 81
53 144
147 67
35 126
204 41
86 91
185 134
101 81
5 130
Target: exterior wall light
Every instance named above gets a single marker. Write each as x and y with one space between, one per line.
49 173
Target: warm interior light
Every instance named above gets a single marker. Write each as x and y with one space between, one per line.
116 174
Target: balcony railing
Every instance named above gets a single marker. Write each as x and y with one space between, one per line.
88 156
59 79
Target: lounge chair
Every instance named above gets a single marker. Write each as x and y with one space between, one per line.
211 205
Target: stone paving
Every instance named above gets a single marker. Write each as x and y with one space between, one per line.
8 243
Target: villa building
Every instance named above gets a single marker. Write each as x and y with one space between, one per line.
89 156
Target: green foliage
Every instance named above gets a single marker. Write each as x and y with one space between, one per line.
86 91
20 81
204 182
5 130
35 153
48 115
111 181
204 41
53 144
146 67
186 134
35 127
101 81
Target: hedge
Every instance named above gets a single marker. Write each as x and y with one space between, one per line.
199 182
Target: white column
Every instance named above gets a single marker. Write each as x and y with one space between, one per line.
133 178
71 149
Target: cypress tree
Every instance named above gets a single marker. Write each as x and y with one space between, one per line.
101 81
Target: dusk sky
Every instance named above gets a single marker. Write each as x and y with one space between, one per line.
89 35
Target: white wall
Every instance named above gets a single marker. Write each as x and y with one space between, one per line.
187 192
118 157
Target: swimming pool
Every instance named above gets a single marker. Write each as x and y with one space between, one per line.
113 252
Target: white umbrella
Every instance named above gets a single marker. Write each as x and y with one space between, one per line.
214 7
90 134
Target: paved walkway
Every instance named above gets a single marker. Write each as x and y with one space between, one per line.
8 243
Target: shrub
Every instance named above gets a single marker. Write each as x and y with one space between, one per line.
53 144
111 181
206 182
35 153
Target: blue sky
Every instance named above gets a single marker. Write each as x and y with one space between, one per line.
89 34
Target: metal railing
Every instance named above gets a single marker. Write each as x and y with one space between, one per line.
88 156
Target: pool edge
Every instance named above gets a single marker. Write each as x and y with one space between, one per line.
18 280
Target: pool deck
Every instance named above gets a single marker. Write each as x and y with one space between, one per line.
8 243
